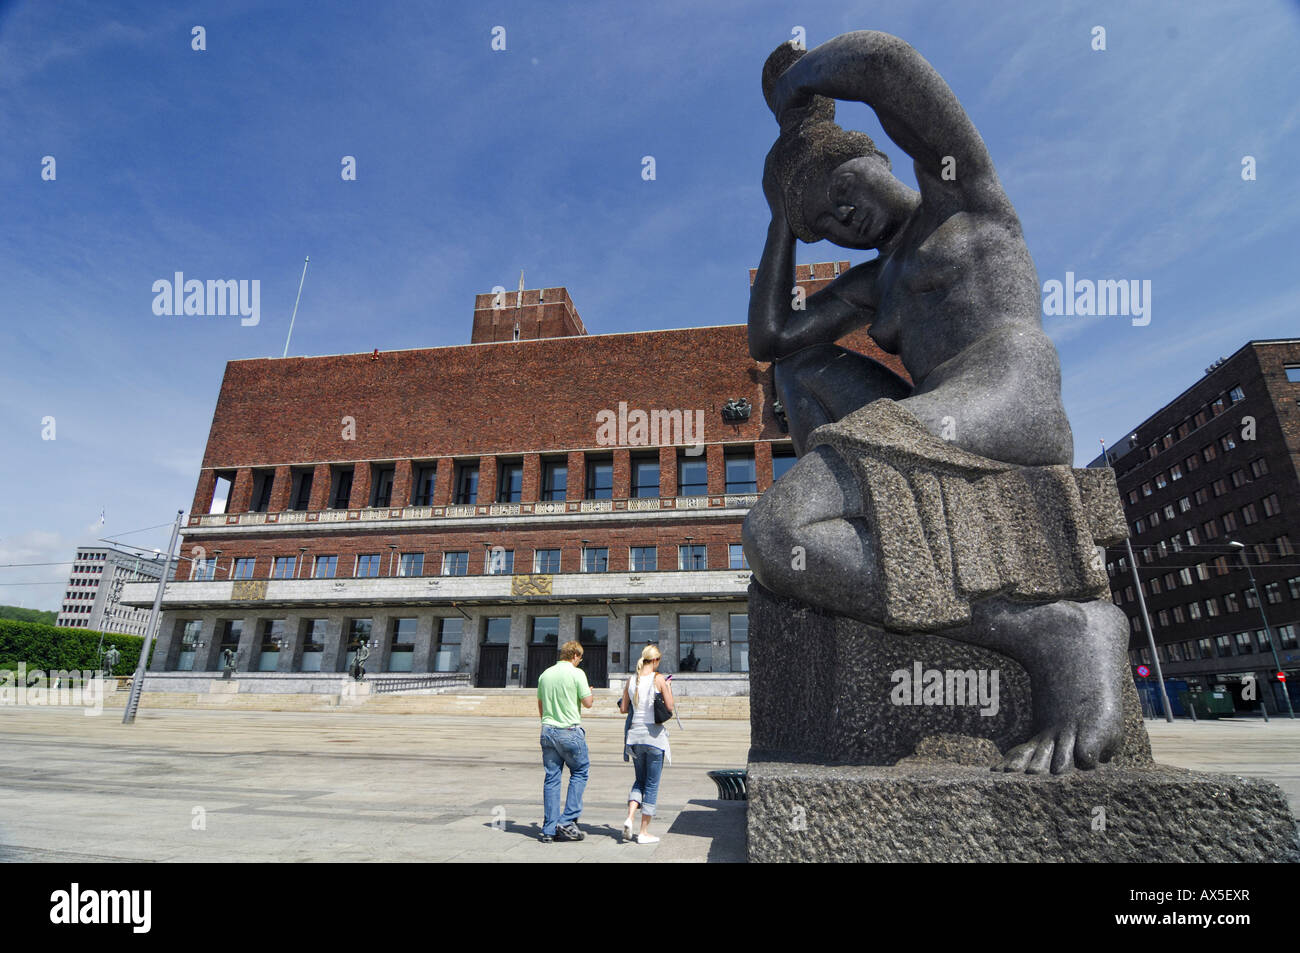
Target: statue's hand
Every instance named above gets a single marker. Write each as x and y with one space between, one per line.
790 102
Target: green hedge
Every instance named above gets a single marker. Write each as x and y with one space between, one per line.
19 614
50 648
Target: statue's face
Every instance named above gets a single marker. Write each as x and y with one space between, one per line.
860 204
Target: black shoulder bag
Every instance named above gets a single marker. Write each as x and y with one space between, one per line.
662 714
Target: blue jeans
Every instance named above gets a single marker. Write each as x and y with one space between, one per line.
561 746
648 761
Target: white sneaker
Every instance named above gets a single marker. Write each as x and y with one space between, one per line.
646 839
627 830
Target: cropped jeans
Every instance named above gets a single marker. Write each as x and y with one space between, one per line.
648 761
560 747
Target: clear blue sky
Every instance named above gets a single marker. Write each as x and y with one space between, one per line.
473 164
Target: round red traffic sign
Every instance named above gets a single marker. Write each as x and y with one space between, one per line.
1281 676
1143 671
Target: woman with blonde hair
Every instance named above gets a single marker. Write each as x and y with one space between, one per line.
646 742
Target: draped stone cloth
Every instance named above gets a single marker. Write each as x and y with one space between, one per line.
951 527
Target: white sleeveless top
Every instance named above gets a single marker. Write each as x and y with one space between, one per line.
643 730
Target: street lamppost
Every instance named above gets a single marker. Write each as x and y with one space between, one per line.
1268 631
137 682
1146 618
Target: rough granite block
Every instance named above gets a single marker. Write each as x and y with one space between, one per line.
922 812
820 687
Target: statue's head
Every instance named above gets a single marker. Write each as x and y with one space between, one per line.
837 185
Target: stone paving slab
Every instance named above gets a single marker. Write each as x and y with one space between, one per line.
317 787
299 786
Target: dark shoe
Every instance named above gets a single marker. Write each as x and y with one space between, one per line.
546 839
568 832
576 831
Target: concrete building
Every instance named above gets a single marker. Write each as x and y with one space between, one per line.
1217 465
92 599
467 509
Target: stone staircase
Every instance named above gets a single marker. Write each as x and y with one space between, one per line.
486 702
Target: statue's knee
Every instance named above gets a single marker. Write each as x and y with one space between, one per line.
764 536
1104 614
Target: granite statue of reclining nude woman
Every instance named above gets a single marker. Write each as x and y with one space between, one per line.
947 504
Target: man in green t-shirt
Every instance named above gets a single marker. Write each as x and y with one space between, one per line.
561 689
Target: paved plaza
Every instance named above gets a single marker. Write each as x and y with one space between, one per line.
342 786
349 786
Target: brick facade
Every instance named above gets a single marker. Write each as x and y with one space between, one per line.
1205 469
544 393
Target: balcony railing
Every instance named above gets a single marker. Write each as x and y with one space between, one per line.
481 510
399 590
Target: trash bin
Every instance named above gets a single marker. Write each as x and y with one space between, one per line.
1213 704
731 785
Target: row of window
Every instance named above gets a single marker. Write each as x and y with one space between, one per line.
119 626
1272 592
1263 552
1269 506
692 480
1209 607
1239 478
496 561
694 640
1198 420
1220 646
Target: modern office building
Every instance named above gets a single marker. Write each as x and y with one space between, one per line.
1209 484
92 598
469 508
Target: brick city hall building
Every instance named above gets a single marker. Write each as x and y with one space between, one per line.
467 509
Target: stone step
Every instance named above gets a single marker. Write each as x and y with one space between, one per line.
499 703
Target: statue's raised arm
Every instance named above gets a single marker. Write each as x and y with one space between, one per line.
915 106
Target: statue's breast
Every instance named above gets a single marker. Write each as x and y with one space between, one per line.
942 258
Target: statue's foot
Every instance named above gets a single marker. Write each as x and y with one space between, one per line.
1075 654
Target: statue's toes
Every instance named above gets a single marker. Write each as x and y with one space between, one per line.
1017 759
1088 749
1042 757
1063 757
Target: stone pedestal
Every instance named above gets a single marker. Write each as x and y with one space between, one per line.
353 692
822 689
839 770
949 813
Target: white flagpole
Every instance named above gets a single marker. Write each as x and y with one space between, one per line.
295 306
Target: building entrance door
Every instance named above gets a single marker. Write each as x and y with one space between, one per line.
492 652
595 662
593 633
543 647
492 665
540 658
